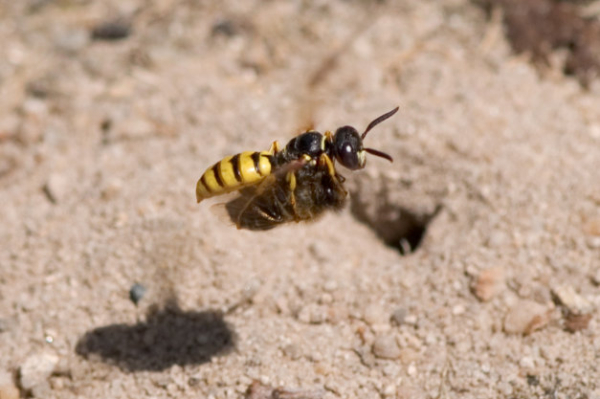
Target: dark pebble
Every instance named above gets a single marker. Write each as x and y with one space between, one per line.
112 30
137 292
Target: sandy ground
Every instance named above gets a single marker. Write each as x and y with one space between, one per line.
101 144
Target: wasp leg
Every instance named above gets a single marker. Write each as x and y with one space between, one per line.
274 148
324 160
328 136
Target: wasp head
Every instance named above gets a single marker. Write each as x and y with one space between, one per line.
348 145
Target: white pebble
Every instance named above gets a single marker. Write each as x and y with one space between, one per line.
36 369
525 317
386 347
527 362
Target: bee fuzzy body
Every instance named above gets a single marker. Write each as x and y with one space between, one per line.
315 189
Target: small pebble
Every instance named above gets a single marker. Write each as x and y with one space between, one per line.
292 351
489 283
8 390
326 298
330 285
374 315
569 298
533 380
227 28
251 288
337 313
56 384
322 368
366 356
527 362
304 315
36 369
389 390
282 305
412 370
486 368
497 239
261 390
72 40
399 316
41 390
5 324
112 189
596 278
135 127
505 388
386 347
136 293
525 317
313 314
593 242
458 310
391 370
112 30
430 339
592 227
256 390
55 188
577 322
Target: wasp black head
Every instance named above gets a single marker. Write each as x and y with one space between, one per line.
348 144
348 148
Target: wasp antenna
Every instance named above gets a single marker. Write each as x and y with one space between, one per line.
378 121
379 154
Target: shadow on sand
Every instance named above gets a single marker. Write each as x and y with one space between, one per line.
169 336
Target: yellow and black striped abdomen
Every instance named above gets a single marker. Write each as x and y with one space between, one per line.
233 173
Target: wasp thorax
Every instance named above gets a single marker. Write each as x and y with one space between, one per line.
309 143
348 148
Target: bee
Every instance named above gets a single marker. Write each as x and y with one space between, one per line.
296 183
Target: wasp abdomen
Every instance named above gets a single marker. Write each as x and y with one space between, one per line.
233 173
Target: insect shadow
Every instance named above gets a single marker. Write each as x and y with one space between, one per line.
169 336
396 226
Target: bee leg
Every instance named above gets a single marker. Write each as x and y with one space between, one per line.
274 148
291 179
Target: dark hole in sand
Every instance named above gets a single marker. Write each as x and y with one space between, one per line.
395 225
169 336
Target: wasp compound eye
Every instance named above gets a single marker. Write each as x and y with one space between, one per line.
348 148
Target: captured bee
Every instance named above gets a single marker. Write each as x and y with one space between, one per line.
296 183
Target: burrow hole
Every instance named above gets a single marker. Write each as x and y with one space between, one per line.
395 225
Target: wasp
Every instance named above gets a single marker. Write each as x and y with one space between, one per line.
296 183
